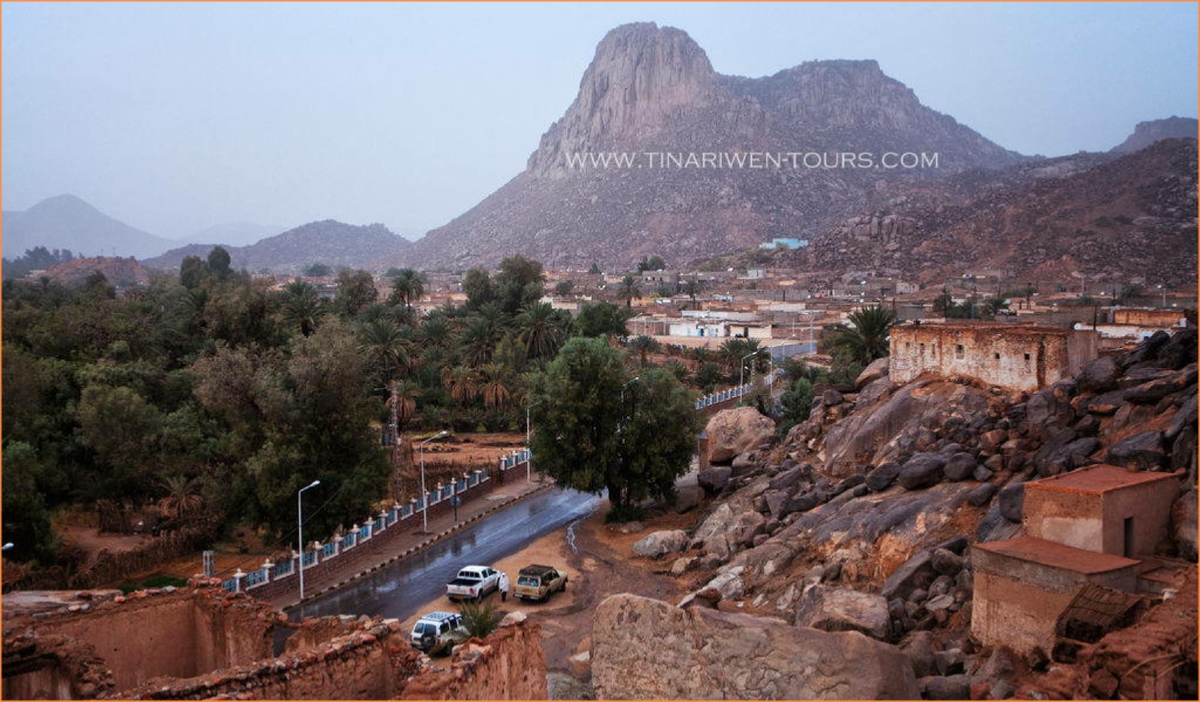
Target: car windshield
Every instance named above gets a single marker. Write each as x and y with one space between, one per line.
527 581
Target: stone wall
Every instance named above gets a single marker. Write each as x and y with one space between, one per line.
1018 357
1154 318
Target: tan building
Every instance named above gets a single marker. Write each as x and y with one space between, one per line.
1149 317
1014 356
1102 508
1088 535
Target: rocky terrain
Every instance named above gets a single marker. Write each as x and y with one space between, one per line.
861 520
330 242
1146 133
652 88
118 271
1085 215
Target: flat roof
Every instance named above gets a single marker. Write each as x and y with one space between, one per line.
996 327
1056 555
1098 479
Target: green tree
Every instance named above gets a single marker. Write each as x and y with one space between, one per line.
644 346
796 403
564 287
692 288
317 270
602 319
598 429
595 269
407 287
192 272
477 284
302 307
707 376
652 263
219 262
26 516
629 289
543 330
519 283
355 292
866 338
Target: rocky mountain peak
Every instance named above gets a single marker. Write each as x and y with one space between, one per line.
640 77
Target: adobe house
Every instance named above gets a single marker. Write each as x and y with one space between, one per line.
1014 356
1102 508
1087 535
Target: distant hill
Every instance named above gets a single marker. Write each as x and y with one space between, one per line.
1146 133
67 222
330 242
232 234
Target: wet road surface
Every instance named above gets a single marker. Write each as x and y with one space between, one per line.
399 589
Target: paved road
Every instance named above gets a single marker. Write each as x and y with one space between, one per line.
399 589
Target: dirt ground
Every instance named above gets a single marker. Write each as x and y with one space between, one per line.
599 562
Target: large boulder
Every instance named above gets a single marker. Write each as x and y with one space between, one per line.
1183 524
714 479
660 543
921 471
1141 451
1100 375
842 609
736 431
646 649
874 371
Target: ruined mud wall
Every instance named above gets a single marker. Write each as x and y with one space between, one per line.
1072 518
177 634
1155 318
509 664
364 665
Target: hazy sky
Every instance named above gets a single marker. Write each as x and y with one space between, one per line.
177 117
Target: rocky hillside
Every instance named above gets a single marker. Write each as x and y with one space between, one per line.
67 222
118 271
330 242
1146 133
652 89
1107 219
860 521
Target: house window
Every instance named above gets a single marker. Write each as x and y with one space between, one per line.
996 356
959 352
1028 358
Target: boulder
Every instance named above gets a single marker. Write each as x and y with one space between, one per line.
1141 451
1180 350
701 653
874 371
1012 502
1107 403
1100 375
1157 389
747 526
688 497
660 543
981 495
915 573
1184 418
921 471
959 466
945 561
580 665
785 480
714 479
881 478
736 431
951 687
831 398
716 524
842 609
872 392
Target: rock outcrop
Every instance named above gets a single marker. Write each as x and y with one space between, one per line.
735 431
646 649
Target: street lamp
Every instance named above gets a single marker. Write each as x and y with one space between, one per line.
424 492
742 367
300 530
1164 294
7 546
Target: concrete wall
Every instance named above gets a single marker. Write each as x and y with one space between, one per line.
1155 318
1010 356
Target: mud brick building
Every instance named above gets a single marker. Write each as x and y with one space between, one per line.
1013 356
1087 556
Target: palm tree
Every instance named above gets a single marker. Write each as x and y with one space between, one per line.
480 338
460 382
541 330
182 497
494 387
302 307
628 290
866 339
388 349
407 286
436 330
404 398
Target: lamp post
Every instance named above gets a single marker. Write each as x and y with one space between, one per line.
424 492
742 367
300 529
1164 294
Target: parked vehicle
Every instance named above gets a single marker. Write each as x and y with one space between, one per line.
538 582
437 632
473 582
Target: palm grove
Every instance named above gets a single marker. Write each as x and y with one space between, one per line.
209 392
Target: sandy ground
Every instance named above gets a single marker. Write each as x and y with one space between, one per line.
600 564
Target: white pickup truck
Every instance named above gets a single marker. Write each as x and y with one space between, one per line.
473 582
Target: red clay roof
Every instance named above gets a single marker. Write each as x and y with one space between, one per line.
1055 555
1098 479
